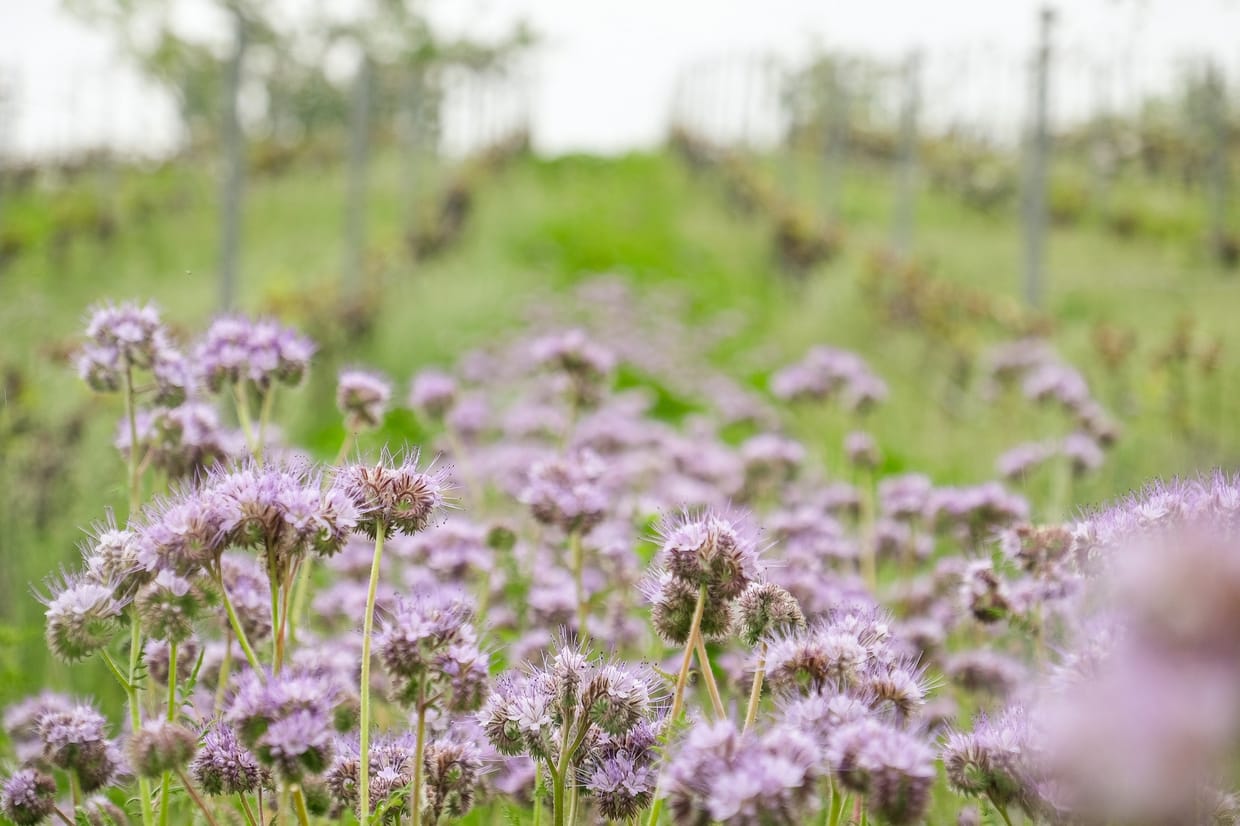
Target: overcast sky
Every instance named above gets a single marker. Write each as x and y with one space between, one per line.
604 77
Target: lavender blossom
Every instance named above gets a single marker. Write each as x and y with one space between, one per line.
392 496
567 492
363 398
28 797
225 767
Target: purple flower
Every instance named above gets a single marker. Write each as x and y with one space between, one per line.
237 349
75 740
363 398
719 774
81 618
429 649
225 767
433 393
28 797
391 495
567 492
714 549
586 364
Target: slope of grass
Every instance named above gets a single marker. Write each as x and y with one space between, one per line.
537 228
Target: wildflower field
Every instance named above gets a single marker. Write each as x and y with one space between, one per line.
605 514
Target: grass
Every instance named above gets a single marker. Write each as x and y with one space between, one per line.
537 228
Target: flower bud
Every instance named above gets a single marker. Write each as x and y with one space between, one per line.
28 797
160 747
765 608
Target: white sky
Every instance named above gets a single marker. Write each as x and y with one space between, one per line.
604 77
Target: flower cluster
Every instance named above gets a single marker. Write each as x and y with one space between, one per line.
827 373
429 649
237 349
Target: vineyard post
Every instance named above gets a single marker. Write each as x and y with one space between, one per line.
412 105
1037 161
355 199
906 198
233 180
835 131
1217 186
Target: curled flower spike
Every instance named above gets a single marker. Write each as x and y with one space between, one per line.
430 650
362 398
237 349
712 549
160 746
75 740
765 608
82 617
433 393
223 766
567 492
393 494
28 797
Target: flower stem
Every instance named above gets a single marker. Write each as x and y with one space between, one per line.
678 696
1002 810
165 783
755 693
574 546
116 671
197 798
242 398
708 677
235 622
419 755
221 682
131 414
245 807
368 624
264 416
172 681
135 714
75 790
299 804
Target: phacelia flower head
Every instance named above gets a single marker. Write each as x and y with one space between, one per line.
433 393
765 608
160 746
393 495
28 797
567 492
182 441
720 774
673 604
995 760
453 768
237 349
75 740
429 649
168 605
712 549
82 617
586 364
362 397
223 766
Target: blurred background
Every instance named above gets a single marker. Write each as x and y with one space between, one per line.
404 180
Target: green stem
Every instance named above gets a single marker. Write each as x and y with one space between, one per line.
197 798
75 790
165 781
221 682
131 414
419 755
63 817
301 579
1002 810
755 693
349 436
242 398
264 416
368 624
574 545
299 804
277 644
708 677
135 713
172 681
539 790
116 672
235 622
164 789
245 807
678 696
